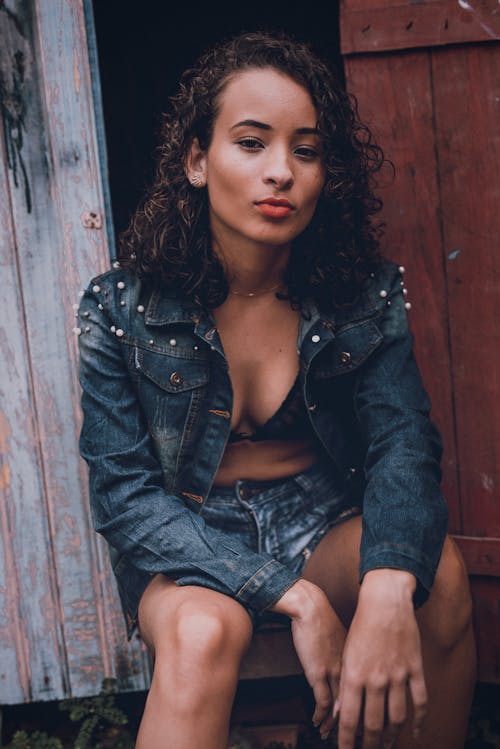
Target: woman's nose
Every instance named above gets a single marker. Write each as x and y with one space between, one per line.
278 171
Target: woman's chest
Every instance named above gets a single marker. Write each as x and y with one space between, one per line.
261 351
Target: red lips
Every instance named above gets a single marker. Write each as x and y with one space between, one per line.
276 201
275 207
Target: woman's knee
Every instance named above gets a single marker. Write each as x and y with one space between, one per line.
195 632
447 615
210 631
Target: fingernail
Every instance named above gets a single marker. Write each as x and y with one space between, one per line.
324 736
315 723
336 709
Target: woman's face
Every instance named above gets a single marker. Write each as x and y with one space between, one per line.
263 168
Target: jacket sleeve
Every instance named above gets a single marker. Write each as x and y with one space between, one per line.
129 504
404 512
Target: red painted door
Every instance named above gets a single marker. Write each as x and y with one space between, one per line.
427 78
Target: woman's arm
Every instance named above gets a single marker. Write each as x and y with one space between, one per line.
404 528
404 512
130 506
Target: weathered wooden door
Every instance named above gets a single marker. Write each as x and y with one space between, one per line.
60 625
427 77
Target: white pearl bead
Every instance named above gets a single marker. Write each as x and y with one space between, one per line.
383 293
76 307
87 329
96 288
122 303
140 308
173 342
195 348
100 306
113 329
120 285
405 291
150 341
119 332
315 338
77 331
408 305
86 313
402 269
116 264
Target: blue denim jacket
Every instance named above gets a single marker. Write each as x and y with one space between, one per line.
157 405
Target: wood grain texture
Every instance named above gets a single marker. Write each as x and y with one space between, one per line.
451 147
29 608
486 616
467 101
381 26
401 116
271 654
66 611
481 555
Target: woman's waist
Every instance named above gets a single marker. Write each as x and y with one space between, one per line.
264 460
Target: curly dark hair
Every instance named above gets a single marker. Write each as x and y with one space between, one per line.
168 238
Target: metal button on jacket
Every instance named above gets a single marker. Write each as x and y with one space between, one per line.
345 357
175 378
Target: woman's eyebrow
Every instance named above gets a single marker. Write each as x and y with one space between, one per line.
265 126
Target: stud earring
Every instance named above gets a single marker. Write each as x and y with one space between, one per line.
197 181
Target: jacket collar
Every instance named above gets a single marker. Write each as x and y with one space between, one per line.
166 307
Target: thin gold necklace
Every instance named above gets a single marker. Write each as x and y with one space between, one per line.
256 293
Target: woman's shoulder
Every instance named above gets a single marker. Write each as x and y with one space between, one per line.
376 293
110 279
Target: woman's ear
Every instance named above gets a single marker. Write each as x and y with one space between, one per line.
196 165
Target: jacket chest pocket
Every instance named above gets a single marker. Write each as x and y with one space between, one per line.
170 390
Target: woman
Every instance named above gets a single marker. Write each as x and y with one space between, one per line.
256 429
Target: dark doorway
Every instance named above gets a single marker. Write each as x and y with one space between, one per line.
143 48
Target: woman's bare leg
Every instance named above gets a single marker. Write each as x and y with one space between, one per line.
444 621
197 637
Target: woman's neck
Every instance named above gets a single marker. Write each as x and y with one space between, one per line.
253 268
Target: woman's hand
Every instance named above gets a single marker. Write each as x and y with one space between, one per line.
318 637
382 656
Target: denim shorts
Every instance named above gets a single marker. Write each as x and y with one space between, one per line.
287 518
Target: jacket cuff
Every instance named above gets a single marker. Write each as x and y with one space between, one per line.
389 556
266 586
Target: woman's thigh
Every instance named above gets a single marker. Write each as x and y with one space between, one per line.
334 564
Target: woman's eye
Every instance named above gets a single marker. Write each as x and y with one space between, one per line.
307 152
251 144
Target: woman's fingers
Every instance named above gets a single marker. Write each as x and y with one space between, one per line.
350 710
330 719
396 714
419 697
323 700
373 723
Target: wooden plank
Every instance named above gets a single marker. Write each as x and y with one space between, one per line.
401 116
481 555
348 6
378 27
486 616
29 610
94 630
57 254
467 95
271 654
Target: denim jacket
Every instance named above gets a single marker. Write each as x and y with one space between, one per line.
157 403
